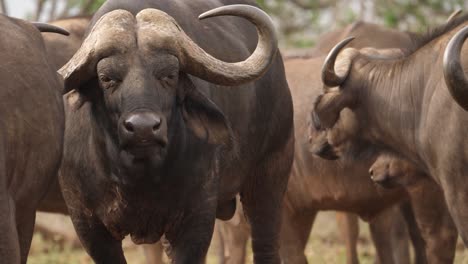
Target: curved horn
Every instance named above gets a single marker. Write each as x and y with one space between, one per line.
43 27
453 15
203 65
329 77
455 78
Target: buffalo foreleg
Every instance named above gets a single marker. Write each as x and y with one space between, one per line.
434 221
348 225
97 241
9 243
190 237
295 231
262 200
234 234
390 237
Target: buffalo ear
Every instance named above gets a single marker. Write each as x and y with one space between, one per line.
202 116
113 32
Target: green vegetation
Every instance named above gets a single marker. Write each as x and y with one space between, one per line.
300 22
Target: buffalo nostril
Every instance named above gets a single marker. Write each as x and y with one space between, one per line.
157 124
371 172
129 126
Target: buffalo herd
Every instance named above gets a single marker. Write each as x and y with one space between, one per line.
153 118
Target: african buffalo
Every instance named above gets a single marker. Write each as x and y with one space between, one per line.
31 124
156 144
316 184
407 106
59 51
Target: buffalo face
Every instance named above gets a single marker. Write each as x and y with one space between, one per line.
139 93
343 140
135 72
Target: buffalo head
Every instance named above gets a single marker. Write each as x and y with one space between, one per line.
389 171
135 71
340 140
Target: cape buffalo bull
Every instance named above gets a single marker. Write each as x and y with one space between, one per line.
154 144
404 106
60 50
31 124
316 184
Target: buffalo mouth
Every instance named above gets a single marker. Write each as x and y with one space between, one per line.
145 149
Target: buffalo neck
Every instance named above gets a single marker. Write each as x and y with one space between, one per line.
394 97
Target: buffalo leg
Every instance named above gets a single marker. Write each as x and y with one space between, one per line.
25 225
9 243
295 231
434 222
153 253
97 241
234 234
419 245
189 240
389 236
262 200
349 229
456 197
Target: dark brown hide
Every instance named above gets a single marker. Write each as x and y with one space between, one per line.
59 50
406 108
178 193
317 185
31 133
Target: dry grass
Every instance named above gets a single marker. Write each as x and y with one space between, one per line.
324 247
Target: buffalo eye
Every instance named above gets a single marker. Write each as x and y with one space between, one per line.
107 82
170 79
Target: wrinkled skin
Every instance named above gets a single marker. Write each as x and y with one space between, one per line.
31 124
308 191
440 233
407 109
188 179
433 224
60 50
317 185
320 185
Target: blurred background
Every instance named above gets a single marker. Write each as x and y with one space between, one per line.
299 22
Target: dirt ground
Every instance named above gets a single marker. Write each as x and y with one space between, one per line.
324 246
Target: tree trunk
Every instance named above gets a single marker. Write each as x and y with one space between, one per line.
66 9
39 8
3 7
53 10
